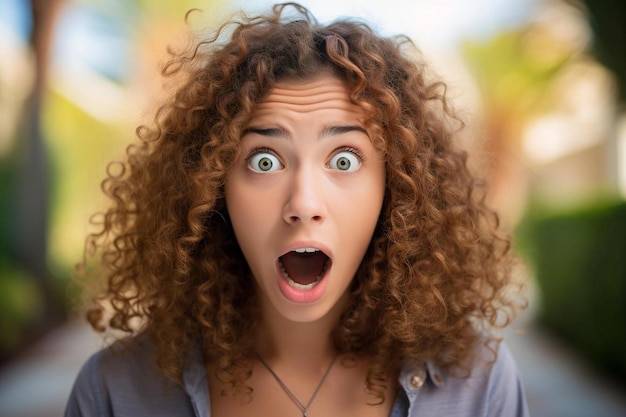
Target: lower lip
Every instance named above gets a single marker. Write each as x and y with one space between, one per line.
297 295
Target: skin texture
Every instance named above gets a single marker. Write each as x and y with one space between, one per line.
307 176
324 190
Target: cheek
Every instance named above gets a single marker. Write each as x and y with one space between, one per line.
371 194
360 211
250 212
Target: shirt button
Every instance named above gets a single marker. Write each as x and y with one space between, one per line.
417 381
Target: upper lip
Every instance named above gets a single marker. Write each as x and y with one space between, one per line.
306 245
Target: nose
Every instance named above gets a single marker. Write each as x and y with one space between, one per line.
305 200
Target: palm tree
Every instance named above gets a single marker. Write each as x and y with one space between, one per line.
33 187
515 72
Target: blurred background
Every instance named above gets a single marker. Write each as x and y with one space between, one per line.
541 85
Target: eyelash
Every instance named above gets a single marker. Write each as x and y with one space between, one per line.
350 149
260 149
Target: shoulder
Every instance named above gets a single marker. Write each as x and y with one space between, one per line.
124 380
494 388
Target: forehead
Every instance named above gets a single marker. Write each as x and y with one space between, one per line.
321 94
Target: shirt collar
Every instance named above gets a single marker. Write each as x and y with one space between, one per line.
413 377
195 381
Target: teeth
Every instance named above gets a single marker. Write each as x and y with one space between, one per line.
306 250
294 284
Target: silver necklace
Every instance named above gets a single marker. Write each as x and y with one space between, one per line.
302 407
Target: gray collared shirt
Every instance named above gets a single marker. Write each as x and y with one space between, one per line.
128 384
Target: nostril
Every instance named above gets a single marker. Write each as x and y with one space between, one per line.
295 219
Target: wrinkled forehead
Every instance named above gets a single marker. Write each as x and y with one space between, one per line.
319 94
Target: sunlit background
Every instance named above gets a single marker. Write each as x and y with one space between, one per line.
541 85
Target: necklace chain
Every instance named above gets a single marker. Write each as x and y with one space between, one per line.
291 395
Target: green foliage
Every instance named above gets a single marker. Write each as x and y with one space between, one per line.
7 195
20 306
609 31
580 264
515 69
20 297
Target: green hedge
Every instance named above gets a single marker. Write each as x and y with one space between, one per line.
21 304
580 265
20 298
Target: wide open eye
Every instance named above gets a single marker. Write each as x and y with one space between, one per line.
264 162
345 161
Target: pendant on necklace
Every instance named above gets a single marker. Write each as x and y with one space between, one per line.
302 407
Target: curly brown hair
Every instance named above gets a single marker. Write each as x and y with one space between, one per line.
434 282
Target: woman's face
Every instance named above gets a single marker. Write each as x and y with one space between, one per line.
304 196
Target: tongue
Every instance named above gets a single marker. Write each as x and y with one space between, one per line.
304 268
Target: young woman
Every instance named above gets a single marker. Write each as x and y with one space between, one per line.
298 235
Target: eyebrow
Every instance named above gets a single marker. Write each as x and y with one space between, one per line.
274 132
277 132
340 130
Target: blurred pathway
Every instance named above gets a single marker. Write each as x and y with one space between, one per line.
558 383
38 383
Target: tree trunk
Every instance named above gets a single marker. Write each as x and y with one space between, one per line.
34 179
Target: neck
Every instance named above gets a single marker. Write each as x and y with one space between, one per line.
288 342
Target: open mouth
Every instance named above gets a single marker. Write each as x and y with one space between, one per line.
303 268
